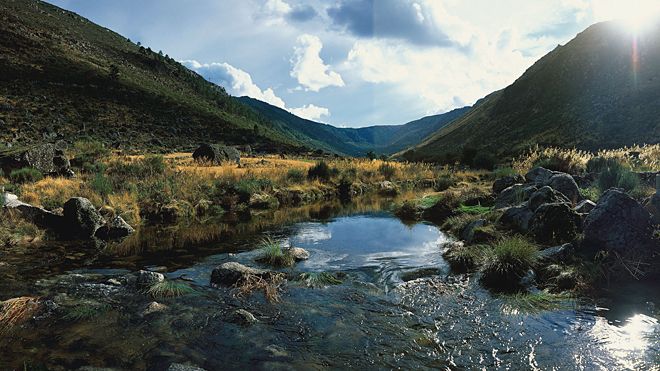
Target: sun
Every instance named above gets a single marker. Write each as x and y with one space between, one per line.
635 15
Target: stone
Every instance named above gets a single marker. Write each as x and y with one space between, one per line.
387 188
81 218
585 206
517 218
116 228
216 154
557 254
539 176
503 183
154 307
37 215
555 223
298 253
244 317
148 278
232 272
619 223
263 201
467 234
546 195
183 367
514 195
565 184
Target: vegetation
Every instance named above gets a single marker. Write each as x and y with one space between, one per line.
15 230
270 285
169 289
86 311
320 171
25 175
523 302
465 258
508 261
16 311
274 254
319 279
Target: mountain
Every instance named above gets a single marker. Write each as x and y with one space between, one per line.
600 90
64 77
353 142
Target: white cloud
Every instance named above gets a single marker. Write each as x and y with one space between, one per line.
308 68
310 112
239 83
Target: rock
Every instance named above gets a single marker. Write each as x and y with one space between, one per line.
37 215
438 213
585 206
244 317
514 195
45 157
81 218
263 201
148 278
618 223
555 223
517 218
565 184
503 183
419 273
116 228
387 188
467 234
217 154
539 176
154 307
184 367
298 253
586 180
232 272
546 195
557 254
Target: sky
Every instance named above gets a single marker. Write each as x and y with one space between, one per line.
354 63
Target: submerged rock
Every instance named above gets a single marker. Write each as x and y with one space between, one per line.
298 253
244 317
154 307
232 272
619 223
184 367
81 218
148 278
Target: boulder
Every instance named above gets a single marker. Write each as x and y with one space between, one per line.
514 195
555 223
517 218
619 223
148 278
81 218
37 215
467 234
45 157
546 195
557 254
232 272
585 206
387 188
565 184
539 176
503 183
298 253
217 154
116 228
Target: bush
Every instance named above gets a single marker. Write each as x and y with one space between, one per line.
508 261
320 171
444 183
25 175
295 175
615 175
560 162
387 170
483 160
599 163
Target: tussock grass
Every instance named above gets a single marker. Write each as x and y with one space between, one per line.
530 303
16 311
169 289
455 224
270 285
274 254
465 258
507 261
319 279
86 311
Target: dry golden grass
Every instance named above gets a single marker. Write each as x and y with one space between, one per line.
51 192
126 205
270 285
15 230
16 311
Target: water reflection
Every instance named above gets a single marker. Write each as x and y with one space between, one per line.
639 333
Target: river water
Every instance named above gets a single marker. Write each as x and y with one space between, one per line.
397 306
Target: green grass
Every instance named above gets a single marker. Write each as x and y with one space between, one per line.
428 201
169 289
86 311
508 261
25 175
591 193
502 172
534 302
465 258
455 224
274 254
475 210
319 279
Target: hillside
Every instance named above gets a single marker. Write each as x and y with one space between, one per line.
64 77
590 94
354 142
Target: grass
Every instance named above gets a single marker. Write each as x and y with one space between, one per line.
475 210
319 279
508 261
455 224
86 311
25 175
465 258
274 254
169 289
269 285
531 303
15 230
16 311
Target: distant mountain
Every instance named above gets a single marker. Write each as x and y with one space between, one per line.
64 77
601 90
353 142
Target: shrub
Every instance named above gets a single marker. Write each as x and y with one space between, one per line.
148 166
443 183
502 172
476 209
387 170
508 261
483 160
598 163
25 175
274 254
591 193
320 171
295 175
617 175
319 279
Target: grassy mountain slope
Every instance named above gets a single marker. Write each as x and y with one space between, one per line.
349 141
588 94
64 77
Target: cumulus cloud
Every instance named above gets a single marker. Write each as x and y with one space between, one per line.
308 68
310 112
279 11
239 83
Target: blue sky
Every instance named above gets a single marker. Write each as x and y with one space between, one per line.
354 63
